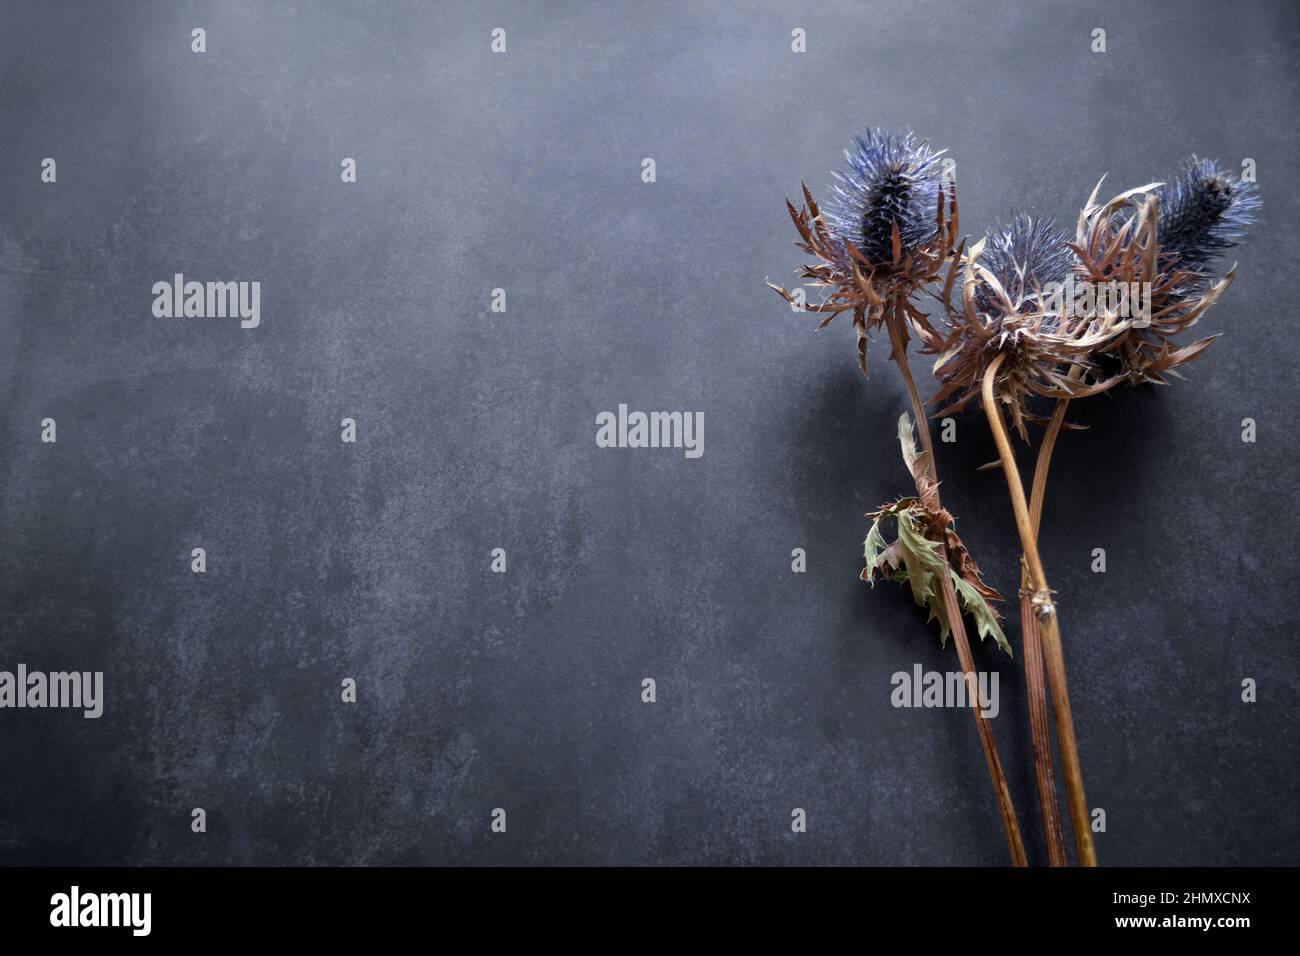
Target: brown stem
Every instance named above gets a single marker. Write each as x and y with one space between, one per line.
1035 682
894 320
1041 731
1048 627
1044 463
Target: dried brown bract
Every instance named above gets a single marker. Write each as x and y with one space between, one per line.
1014 307
1120 242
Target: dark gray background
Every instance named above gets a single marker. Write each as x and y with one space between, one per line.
477 431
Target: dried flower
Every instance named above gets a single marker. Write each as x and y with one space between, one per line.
1024 257
1164 236
893 225
1203 213
892 183
1013 306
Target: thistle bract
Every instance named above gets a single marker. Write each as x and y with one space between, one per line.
1009 308
1163 235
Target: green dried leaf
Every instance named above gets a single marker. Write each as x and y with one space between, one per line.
915 560
922 562
974 604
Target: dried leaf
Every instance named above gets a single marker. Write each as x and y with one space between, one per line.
908 443
917 561
986 619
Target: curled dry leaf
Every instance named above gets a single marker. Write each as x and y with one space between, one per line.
915 558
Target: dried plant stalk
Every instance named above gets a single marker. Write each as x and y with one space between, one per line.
1032 645
1010 824
1048 628
894 229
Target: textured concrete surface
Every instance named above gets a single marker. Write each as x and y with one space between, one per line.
476 431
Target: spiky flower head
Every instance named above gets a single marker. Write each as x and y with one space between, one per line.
1014 311
1025 256
893 225
893 181
1203 213
1164 236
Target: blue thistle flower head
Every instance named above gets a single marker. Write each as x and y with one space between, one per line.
891 178
1203 212
1023 323
1027 254
1024 256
